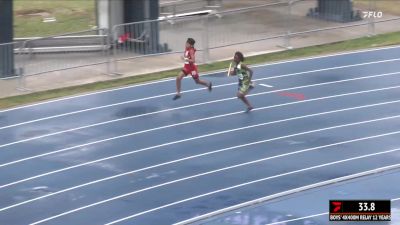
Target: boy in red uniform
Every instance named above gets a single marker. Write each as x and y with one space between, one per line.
190 67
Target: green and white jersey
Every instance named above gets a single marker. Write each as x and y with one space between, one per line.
241 73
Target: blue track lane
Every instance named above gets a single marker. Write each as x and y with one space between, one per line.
134 154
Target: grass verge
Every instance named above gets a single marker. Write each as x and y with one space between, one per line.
71 16
355 44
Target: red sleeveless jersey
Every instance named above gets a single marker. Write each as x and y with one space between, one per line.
189 67
188 55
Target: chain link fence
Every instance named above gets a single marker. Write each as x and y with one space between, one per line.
66 51
253 29
62 52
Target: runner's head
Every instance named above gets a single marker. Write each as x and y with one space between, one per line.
238 57
190 42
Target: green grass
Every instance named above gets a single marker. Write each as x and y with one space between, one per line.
356 44
71 16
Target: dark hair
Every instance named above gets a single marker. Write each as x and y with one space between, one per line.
240 55
191 41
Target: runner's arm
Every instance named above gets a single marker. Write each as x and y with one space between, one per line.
192 56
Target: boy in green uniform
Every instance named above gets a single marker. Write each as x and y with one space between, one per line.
244 74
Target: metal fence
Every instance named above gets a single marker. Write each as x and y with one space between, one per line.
175 7
262 27
77 49
252 28
67 51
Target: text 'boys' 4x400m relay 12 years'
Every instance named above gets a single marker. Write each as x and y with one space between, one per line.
359 210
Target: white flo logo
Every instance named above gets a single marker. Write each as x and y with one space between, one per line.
373 14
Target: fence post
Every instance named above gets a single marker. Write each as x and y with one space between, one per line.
206 47
107 49
114 44
371 20
21 70
21 79
286 39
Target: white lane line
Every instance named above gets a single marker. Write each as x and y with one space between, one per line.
171 143
192 90
184 140
266 85
206 194
193 105
84 95
90 109
278 195
197 156
211 73
302 189
198 137
225 189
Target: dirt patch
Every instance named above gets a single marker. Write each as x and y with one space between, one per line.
32 12
44 13
67 11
